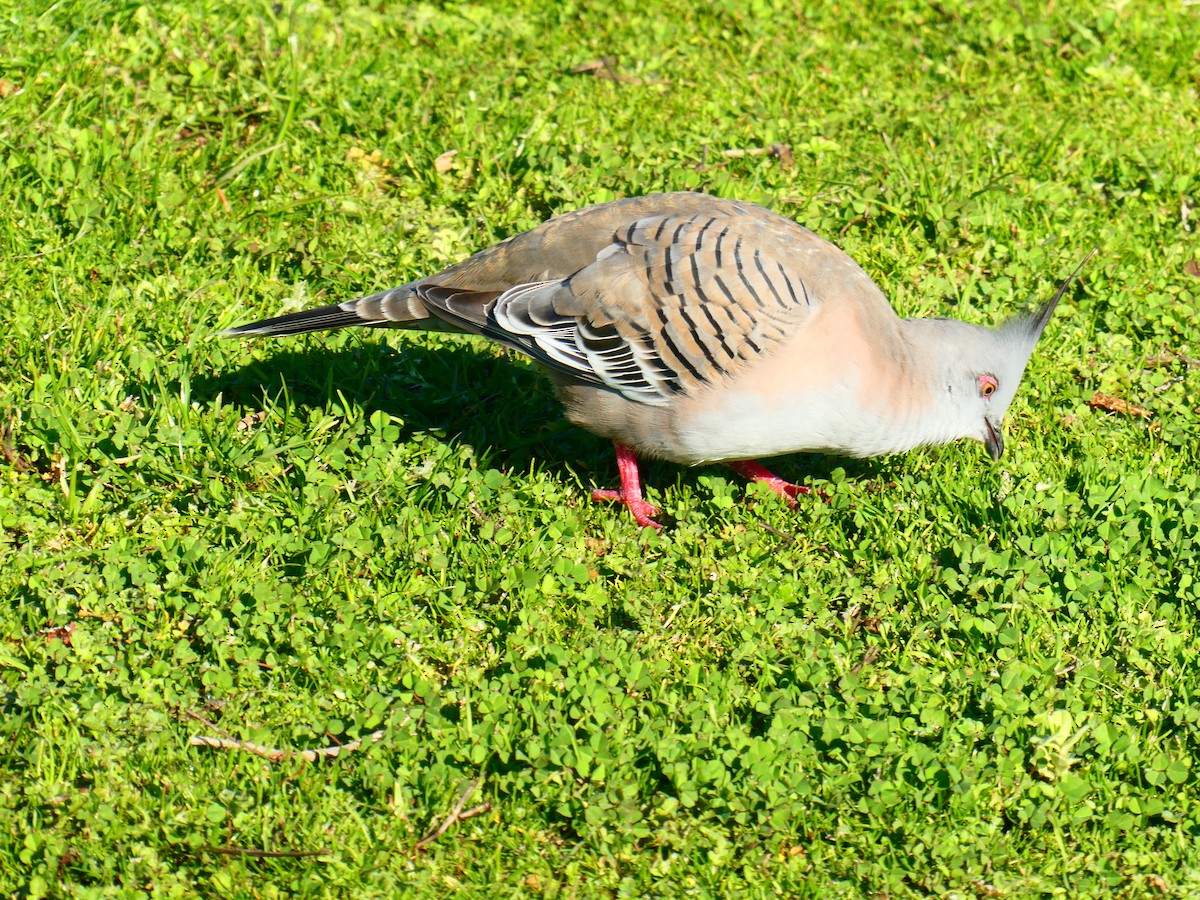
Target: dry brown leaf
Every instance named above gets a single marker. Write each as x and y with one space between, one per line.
783 152
1117 405
445 162
1192 268
605 67
7 88
188 134
374 165
251 420
59 633
57 470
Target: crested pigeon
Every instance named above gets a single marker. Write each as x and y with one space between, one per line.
698 330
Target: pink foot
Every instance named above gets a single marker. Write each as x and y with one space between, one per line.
630 493
785 489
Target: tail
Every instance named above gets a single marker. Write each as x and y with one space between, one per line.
395 308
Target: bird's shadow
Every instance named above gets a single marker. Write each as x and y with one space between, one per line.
462 391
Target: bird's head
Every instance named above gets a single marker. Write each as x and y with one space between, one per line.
983 369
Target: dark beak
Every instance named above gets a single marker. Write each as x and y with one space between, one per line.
994 439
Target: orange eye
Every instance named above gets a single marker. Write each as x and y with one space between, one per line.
987 385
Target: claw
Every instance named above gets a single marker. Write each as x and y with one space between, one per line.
642 511
630 493
785 489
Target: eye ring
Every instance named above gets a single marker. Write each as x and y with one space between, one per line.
987 386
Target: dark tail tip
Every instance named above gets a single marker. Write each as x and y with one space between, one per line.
324 318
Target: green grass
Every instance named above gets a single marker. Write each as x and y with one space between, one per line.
956 679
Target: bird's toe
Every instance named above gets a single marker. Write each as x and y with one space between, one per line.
640 509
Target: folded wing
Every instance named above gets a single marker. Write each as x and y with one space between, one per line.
670 303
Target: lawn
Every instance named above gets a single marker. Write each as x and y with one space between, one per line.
956 678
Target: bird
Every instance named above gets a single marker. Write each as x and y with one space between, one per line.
699 330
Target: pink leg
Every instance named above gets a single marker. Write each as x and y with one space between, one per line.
630 493
755 472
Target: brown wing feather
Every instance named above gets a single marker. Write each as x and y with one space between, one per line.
668 304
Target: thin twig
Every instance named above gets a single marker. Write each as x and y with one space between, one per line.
869 657
272 754
780 151
475 811
15 459
265 854
605 67
456 814
192 714
1168 384
1118 405
71 243
275 755
775 531
739 152
861 220
1169 357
